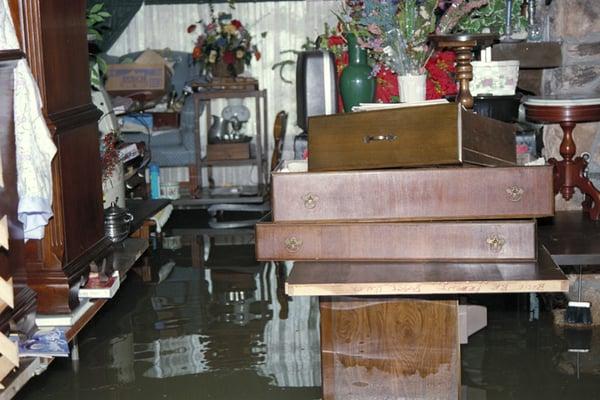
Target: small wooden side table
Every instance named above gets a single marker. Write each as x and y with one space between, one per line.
569 173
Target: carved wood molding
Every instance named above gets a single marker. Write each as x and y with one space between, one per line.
30 36
11 55
64 121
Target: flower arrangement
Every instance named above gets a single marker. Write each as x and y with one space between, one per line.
224 45
395 34
109 155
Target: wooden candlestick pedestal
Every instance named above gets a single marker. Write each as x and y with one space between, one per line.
463 46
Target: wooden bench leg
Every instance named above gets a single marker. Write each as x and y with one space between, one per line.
389 348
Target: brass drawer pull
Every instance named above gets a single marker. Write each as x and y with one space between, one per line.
293 244
380 138
310 200
496 243
515 193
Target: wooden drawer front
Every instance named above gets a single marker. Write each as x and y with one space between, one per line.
414 194
371 241
342 141
414 136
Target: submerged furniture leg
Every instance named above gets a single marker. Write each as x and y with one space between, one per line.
75 349
389 348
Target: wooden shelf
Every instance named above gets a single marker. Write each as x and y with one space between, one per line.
571 238
360 279
228 163
247 195
530 55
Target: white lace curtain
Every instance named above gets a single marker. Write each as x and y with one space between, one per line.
287 23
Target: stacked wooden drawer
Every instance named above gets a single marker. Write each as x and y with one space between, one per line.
444 214
449 213
388 233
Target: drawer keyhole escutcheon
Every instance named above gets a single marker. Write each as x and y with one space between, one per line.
293 244
310 200
515 193
496 243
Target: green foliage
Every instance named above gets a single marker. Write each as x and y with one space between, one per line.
96 17
492 17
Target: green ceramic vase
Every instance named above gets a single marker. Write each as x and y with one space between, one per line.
356 83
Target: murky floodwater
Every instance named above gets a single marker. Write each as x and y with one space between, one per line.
223 329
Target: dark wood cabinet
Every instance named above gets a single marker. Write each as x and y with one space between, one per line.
53 35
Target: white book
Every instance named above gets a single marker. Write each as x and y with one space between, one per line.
388 106
97 289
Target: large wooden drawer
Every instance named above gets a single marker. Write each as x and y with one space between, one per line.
415 136
400 241
414 194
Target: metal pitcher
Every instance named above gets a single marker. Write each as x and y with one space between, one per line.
219 130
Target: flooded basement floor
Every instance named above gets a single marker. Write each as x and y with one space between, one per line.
222 328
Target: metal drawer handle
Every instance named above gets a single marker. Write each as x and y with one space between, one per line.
380 138
496 243
310 200
515 193
293 244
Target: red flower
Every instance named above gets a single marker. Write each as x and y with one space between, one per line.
229 57
387 86
191 28
197 53
335 41
236 23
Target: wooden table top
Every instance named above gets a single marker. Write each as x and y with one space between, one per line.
367 279
571 238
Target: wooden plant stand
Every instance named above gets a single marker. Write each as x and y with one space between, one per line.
569 173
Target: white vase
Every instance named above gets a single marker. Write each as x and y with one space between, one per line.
412 88
113 187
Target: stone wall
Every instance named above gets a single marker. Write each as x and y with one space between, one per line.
575 23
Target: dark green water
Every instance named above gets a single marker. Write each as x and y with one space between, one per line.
224 330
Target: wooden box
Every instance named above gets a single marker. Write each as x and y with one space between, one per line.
228 151
397 241
439 134
413 194
165 120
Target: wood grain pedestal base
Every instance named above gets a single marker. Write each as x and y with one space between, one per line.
389 348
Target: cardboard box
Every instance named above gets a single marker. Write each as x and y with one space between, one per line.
128 79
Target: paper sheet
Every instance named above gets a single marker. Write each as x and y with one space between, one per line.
4 232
